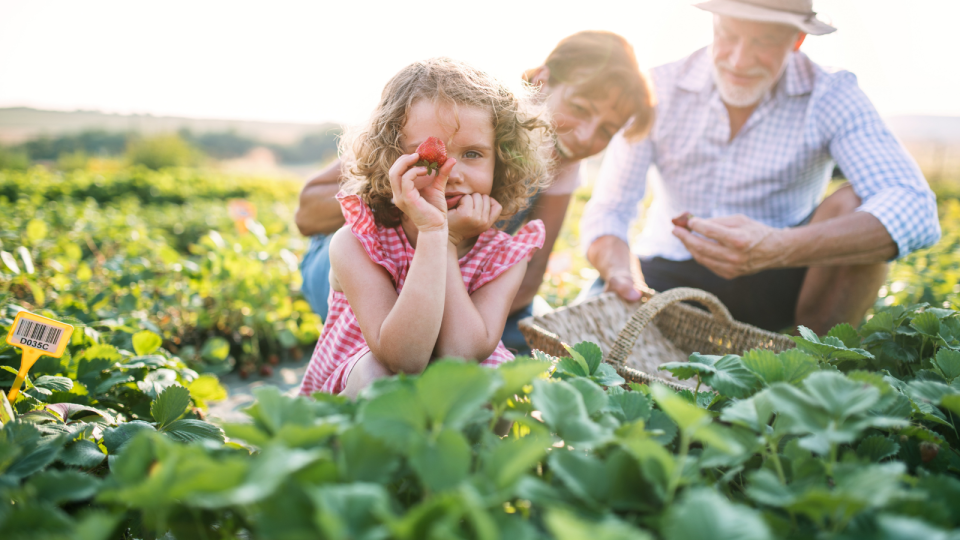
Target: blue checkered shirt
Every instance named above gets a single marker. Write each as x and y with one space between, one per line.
776 169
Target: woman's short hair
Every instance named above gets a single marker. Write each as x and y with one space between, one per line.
594 61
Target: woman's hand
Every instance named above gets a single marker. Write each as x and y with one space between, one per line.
474 214
418 195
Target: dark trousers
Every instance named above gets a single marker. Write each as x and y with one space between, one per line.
766 299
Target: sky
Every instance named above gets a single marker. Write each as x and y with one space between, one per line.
322 61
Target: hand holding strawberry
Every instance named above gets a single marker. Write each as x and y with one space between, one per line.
433 154
683 220
426 206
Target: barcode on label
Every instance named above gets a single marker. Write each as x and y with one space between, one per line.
39 333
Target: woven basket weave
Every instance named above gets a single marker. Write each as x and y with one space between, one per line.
634 346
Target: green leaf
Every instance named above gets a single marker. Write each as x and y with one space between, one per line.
116 438
790 366
565 525
732 379
56 487
215 349
685 370
68 411
629 406
441 464
397 417
704 513
273 410
846 334
366 458
189 430
350 511
512 458
170 404
876 448
83 453
591 354
579 359
808 334
569 366
880 322
927 324
206 388
606 375
146 342
452 390
585 476
56 384
754 412
563 410
949 363
516 375
594 398
659 421
687 415
111 381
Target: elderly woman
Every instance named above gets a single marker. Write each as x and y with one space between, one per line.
592 87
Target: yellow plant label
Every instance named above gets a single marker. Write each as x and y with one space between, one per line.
37 336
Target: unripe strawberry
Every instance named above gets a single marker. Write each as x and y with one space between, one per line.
928 451
433 154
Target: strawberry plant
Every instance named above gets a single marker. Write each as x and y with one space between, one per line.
849 435
158 250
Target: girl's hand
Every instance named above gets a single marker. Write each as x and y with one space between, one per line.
472 216
418 195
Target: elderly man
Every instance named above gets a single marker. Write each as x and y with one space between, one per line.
747 134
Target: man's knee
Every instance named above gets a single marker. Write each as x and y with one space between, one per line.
841 202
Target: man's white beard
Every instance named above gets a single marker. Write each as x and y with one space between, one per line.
744 96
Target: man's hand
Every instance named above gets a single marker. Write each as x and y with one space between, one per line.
733 246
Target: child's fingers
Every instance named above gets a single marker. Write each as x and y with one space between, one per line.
401 166
485 214
443 174
495 209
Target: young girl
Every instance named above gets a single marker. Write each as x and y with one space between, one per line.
419 272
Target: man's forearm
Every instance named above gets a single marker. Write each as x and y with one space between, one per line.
319 211
611 256
551 209
857 238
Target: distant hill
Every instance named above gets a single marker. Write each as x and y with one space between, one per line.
19 124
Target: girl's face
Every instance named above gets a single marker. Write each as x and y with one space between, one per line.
468 135
584 125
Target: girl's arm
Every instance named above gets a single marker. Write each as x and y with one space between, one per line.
400 330
473 324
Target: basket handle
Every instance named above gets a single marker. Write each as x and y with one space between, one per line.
660 301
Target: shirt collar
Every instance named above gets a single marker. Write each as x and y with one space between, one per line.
698 77
797 79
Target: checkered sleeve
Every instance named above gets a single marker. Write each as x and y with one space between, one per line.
882 173
618 190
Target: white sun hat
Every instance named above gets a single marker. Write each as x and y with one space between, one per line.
798 13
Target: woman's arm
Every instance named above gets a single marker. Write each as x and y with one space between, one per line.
551 209
319 211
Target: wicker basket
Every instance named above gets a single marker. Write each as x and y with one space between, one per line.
635 347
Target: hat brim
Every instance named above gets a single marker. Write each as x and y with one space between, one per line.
809 24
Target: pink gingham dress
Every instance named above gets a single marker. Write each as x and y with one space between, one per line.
341 343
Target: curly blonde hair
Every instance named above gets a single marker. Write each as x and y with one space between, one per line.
521 137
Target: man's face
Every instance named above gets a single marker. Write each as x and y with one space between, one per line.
748 57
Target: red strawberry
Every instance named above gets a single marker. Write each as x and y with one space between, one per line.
928 451
266 370
682 220
433 154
